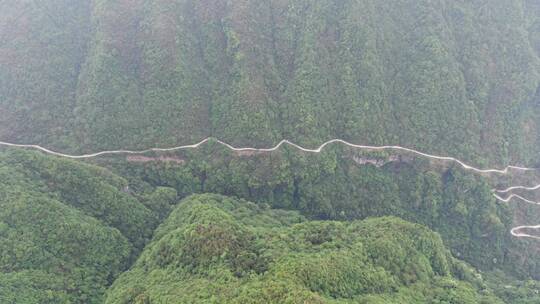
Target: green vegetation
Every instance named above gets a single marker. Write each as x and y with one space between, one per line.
451 77
458 205
214 249
69 230
66 229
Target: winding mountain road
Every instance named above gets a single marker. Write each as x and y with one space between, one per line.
516 231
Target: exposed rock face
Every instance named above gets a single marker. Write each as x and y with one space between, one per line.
379 162
146 159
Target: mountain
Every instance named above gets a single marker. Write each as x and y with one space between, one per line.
214 249
456 78
78 233
447 77
66 229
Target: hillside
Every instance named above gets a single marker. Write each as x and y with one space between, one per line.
213 249
69 230
66 229
447 77
455 78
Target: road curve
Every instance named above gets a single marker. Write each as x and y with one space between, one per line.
518 187
515 232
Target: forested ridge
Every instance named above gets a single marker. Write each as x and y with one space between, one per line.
216 249
210 225
66 230
70 230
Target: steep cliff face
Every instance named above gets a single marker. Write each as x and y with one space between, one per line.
43 45
441 76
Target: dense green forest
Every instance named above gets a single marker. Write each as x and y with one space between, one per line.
66 230
331 186
450 77
215 249
69 230
453 77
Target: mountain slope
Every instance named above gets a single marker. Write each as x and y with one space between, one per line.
445 76
66 229
458 78
214 249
